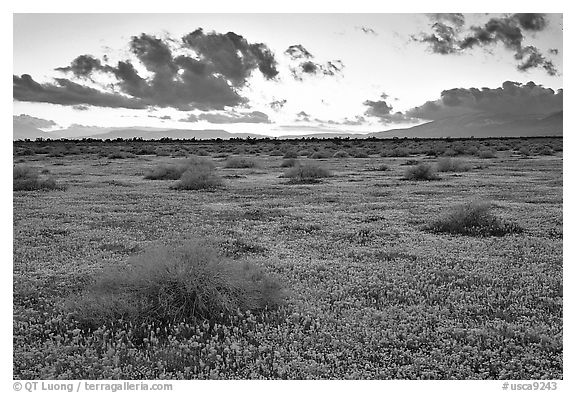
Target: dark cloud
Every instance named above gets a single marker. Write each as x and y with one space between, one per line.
208 77
298 52
377 108
278 104
83 66
166 117
231 55
191 118
306 66
366 30
511 98
81 107
508 30
66 92
234 117
456 20
383 112
36 122
303 116
531 22
356 121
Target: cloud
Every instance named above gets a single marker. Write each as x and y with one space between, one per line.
383 111
191 118
512 98
455 19
298 52
304 65
303 116
278 104
356 121
446 37
80 107
231 55
377 108
66 92
366 30
229 117
201 71
27 120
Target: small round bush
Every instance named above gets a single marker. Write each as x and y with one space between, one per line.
200 178
420 172
240 162
452 165
173 171
320 154
486 153
307 173
473 219
341 154
291 154
289 163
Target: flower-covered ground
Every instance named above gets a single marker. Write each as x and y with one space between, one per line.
370 292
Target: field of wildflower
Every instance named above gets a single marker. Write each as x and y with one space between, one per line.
371 288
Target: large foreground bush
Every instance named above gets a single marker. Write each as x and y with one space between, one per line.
473 219
166 285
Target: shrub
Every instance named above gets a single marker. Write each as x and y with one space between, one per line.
399 152
291 154
473 219
546 151
199 178
486 153
240 162
420 172
380 168
320 154
525 151
341 154
173 171
120 155
307 173
275 153
26 178
411 162
167 285
452 165
359 154
289 163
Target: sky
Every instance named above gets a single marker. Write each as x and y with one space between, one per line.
279 74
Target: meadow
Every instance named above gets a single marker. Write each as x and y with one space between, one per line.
319 259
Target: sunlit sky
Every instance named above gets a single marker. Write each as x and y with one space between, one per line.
377 52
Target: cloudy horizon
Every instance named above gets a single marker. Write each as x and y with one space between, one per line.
280 74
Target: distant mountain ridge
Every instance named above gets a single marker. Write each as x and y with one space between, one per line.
482 125
479 125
